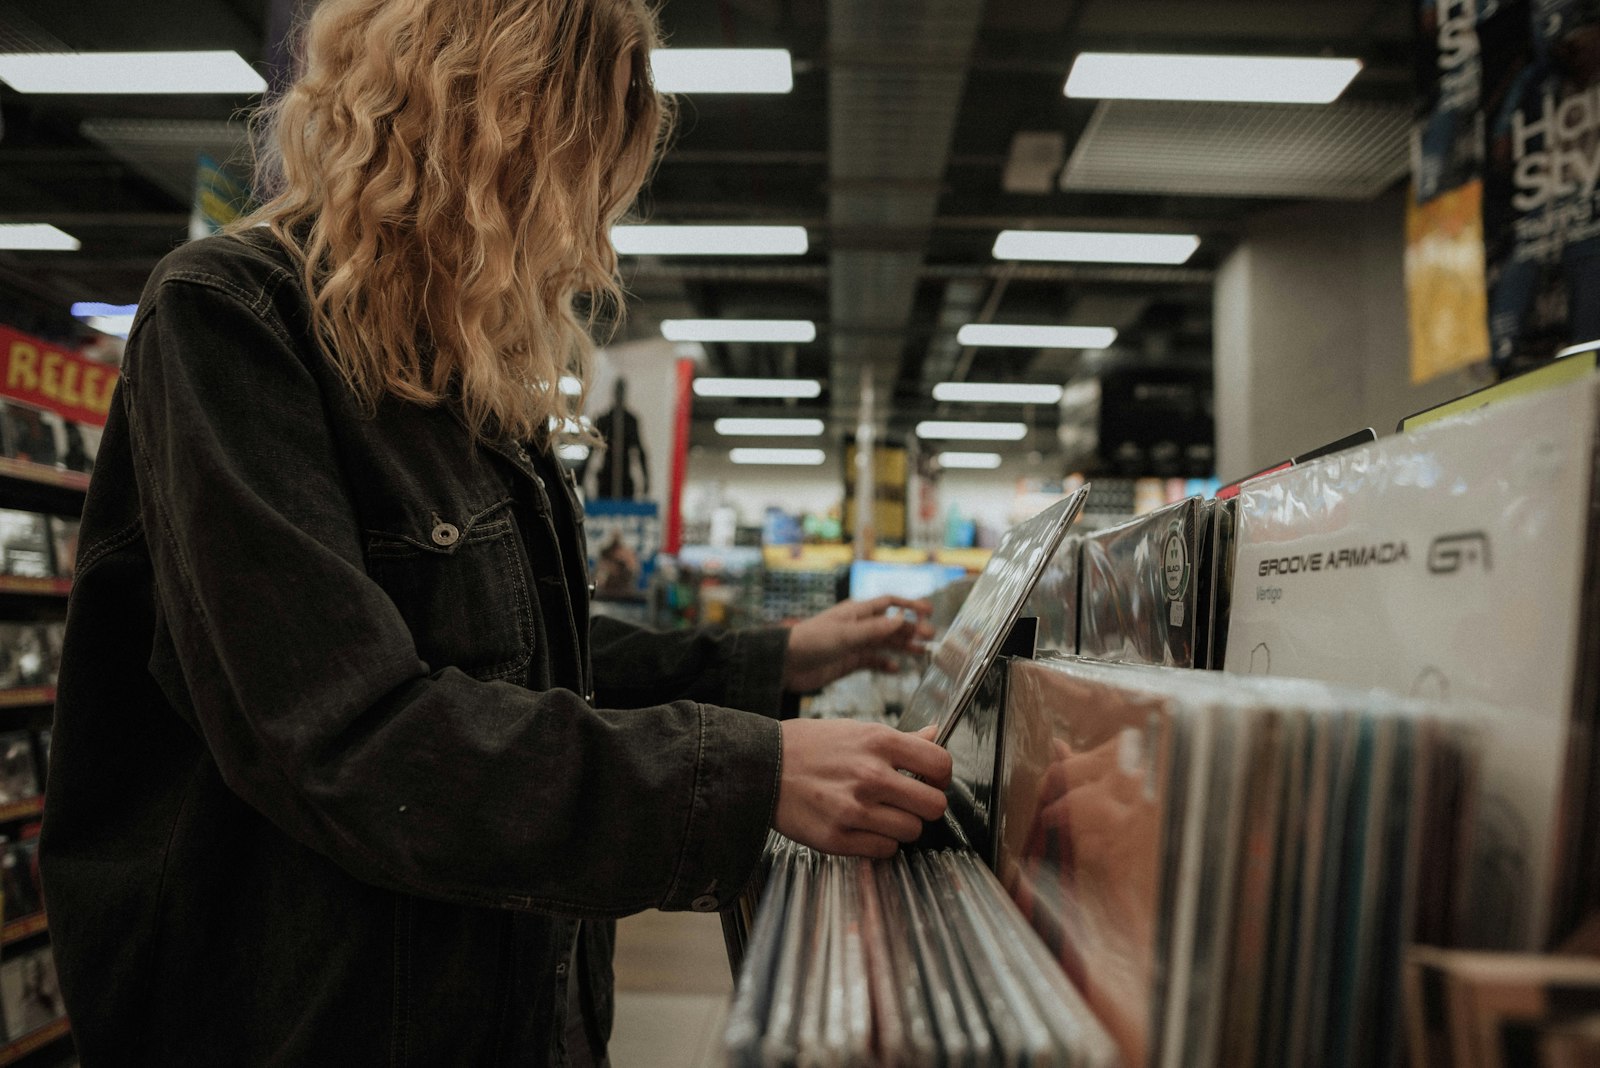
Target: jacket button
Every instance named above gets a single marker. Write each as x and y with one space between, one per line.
704 903
446 535
561 969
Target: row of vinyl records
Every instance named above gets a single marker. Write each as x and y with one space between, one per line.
1224 871
1230 869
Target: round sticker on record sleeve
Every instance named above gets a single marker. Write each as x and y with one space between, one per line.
1175 563
1175 574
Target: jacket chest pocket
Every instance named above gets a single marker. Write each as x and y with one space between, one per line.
461 586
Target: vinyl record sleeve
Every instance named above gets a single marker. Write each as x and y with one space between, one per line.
1307 751
1319 884
1054 601
747 1017
947 964
957 1046
1207 879
1075 1027
1266 765
1139 589
1020 1037
781 1036
1087 784
816 995
1453 562
985 619
912 1039
854 1012
883 974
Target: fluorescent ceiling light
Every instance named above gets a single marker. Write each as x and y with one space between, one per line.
798 388
113 319
130 73
780 457
776 428
996 393
1073 246
710 240
936 431
571 386
36 237
1226 79
969 461
991 336
722 70
794 330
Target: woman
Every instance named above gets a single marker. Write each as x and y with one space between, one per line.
343 772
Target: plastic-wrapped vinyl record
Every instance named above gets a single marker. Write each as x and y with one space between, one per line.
960 1048
747 1017
949 962
1075 1027
856 1013
1021 1038
907 1037
1308 750
817 996
1266 765
780 1042
1376 1029
964 891
1206 881
1355 931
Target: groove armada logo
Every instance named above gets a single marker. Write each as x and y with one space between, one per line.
1457 552
1383 554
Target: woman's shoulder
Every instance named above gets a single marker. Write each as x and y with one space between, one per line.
251 266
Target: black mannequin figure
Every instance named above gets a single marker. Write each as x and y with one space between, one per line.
621 430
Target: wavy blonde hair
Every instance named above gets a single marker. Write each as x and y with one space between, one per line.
446 173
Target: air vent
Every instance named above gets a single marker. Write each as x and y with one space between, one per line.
1350 151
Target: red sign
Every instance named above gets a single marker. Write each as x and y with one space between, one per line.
50 377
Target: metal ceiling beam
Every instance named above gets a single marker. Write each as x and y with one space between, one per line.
896 76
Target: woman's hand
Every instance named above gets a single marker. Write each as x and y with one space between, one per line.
851 636
841 791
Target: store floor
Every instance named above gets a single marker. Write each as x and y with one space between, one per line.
672 991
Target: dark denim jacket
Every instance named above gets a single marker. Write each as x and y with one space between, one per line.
325 784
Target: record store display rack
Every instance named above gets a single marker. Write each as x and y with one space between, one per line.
1146 864
40 502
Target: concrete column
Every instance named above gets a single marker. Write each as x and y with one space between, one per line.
1312 340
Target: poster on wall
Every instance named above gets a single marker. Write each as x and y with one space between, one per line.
1444 265
1541 62
1446 284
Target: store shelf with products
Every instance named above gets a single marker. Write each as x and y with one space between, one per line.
25 928
34 1041
1230 869
40 501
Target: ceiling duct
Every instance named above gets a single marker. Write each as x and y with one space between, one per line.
168 151
897 74
1345 151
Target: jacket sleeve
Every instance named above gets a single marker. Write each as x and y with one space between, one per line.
306 685
635 667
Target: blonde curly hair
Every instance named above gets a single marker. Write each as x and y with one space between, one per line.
446 174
